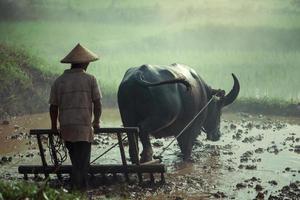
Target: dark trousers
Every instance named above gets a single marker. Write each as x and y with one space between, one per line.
80 154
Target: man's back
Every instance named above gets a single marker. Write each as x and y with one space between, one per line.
74 92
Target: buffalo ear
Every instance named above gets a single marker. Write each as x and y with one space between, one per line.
234 92
220 93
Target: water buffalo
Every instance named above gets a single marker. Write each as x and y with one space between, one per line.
162 100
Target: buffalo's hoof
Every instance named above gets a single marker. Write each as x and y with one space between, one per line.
188 160
146 155
213 139
145 159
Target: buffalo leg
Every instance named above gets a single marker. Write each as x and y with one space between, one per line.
146 127
147 152
186 142
183 145
189 146
128 119
133 142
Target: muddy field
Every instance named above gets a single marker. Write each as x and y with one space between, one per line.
256 158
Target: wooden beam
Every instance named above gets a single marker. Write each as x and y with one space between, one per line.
96 131
42 154
155 161
117 130
94 169
122 152
42 132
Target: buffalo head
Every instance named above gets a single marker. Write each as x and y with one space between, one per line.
212 123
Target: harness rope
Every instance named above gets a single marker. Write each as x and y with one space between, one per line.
60 149
105 152
187 126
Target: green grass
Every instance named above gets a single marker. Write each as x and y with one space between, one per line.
259 41
24 87
14 65
35 191
265 106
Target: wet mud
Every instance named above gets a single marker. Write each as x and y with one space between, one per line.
257 157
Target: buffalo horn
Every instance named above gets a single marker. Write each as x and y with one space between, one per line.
231 96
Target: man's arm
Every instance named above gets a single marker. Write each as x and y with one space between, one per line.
97 113
53 115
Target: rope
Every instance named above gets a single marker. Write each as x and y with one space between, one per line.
181 132
60 149
105 152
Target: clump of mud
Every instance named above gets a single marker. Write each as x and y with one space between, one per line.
291 191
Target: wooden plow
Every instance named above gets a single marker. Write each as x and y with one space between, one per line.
136 167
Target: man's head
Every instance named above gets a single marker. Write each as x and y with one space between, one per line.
80 65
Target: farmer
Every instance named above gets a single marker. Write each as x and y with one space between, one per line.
73 97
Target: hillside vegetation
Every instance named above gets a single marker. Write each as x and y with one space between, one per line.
24 87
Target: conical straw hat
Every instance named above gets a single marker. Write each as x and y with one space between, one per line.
80 54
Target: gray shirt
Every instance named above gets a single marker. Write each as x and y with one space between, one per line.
74 92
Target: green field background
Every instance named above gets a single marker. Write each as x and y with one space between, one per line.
258 40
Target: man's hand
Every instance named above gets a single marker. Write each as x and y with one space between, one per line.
97 113
54 128
96 125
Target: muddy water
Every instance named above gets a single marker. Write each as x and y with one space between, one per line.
257 155
23 124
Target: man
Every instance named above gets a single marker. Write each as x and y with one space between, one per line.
74 96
